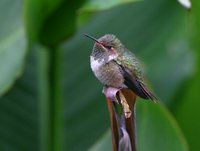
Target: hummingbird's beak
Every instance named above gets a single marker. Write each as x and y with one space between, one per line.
92 38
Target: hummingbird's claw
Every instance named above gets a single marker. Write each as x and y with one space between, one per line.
111 93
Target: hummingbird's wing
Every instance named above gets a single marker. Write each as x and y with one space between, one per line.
133 78
136 85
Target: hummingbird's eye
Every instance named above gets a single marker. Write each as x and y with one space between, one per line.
108 47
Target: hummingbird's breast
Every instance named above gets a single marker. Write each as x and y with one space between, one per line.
107 73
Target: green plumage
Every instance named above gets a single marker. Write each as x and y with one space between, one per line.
131 63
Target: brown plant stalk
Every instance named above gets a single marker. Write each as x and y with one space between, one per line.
128 100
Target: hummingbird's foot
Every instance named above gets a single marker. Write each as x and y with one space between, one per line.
111 93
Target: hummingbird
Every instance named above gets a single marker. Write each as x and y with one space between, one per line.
115 66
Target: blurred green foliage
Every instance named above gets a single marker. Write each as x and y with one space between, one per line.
56 103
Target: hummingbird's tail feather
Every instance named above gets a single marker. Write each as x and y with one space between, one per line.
141 90
147 94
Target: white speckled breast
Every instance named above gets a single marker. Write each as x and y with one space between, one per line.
107 73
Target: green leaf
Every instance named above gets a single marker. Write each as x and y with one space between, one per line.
156 130
97 5
35 12
104 143
19 116
12 42
187 112
186 109
91 6
50 22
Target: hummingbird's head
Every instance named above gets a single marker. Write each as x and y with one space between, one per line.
107 47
